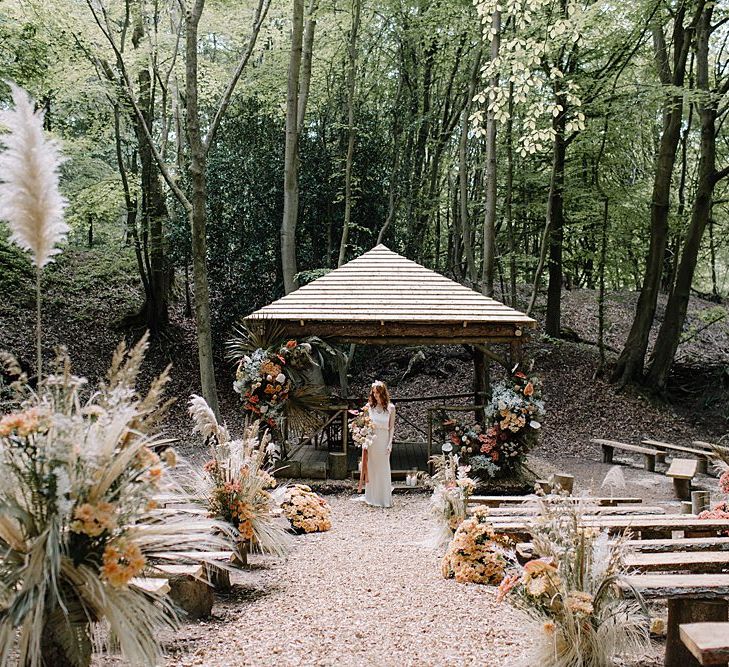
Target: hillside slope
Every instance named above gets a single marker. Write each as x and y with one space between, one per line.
87 290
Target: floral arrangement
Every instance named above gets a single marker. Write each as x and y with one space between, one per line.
307 511
237 487
79 524
571 589
452 488
719 511
464 437
263 386
362 428
476 554
514 415
275 378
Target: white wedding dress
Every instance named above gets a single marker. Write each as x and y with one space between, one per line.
378 490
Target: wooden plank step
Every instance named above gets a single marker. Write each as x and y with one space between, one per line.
155 586
699 561
496 501
677 586
708 642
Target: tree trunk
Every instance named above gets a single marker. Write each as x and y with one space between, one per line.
509 197
489 221
463 173
555 211
198 215
629 367
669 335
351 130
291 154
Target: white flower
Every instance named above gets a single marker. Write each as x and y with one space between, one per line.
280 378
29 197
535 424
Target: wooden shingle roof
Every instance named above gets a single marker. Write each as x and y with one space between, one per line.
382 297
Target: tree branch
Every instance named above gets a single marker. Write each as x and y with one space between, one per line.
127 87
261 11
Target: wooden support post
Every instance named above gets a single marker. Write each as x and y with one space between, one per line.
480 381
686 507
681 611
345 432
649 462
564 482
700 501
703 466
607 454
682 487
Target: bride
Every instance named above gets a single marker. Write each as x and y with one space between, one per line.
376 457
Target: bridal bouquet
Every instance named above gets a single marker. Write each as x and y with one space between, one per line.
237 487
307 511
476 554
362 428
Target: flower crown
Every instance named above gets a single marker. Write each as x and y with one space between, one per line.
378 383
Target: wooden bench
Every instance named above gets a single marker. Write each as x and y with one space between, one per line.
150 585
709 446
692 598
708 642
693 561
188 588
686 545
608 447
701 455
680 544
497 501
595 510
682 471
640 525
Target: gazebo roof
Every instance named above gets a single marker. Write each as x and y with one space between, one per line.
384 298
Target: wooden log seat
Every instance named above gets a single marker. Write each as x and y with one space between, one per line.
679 561
498 501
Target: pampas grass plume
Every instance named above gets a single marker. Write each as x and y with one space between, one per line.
29 197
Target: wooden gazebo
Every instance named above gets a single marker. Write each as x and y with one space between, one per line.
382 298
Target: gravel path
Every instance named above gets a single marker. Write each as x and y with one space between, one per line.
366 592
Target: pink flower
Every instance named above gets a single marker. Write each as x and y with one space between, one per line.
724 482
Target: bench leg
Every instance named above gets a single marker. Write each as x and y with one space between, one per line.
661 457
649 462
689 611
218 577
703 466
682 487
607 454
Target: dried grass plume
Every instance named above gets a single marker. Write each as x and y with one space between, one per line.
30 200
